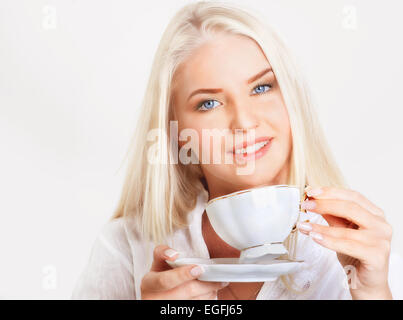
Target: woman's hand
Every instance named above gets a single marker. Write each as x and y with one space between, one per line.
164 283
358 232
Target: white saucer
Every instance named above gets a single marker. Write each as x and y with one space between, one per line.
263 252
230 270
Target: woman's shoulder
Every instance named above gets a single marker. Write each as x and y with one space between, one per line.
112 239
108 273
113 228
113 232
121 229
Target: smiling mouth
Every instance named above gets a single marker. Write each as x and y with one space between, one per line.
251 147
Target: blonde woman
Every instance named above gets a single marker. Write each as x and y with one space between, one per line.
219 67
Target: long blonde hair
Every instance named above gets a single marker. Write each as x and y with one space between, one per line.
161 194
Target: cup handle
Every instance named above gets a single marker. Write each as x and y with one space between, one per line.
304 197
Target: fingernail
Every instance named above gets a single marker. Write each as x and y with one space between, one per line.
196 271
316 236
314 192
224 284
304 226
170 252
308 204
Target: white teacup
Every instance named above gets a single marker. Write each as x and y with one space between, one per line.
256 221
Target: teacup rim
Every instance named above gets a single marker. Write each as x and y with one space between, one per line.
232 194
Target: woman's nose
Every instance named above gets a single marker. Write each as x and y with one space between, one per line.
242 119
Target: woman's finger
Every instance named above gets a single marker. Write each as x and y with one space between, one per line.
169 279
192 290
195 288
349 247
346 209
362 236
335 221
344 194
160 254
209 296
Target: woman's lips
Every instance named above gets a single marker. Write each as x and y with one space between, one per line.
245 144
242 157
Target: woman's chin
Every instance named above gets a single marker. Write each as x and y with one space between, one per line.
247 182
254 175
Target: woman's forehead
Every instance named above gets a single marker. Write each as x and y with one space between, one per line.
225 52
229 57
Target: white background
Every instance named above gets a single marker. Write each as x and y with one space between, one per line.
73 73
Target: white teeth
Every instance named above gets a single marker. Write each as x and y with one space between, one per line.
251 149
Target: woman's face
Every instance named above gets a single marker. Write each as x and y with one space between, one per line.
241 106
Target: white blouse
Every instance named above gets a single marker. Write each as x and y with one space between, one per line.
120 258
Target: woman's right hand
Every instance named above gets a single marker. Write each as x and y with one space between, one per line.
164 283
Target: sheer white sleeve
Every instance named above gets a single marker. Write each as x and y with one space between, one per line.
108 274
325 276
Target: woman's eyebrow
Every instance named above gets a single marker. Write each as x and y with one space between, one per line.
216 90
259 75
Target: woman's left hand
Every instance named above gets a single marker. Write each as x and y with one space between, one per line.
358 232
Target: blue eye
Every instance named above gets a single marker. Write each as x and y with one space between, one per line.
207 104
261 88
